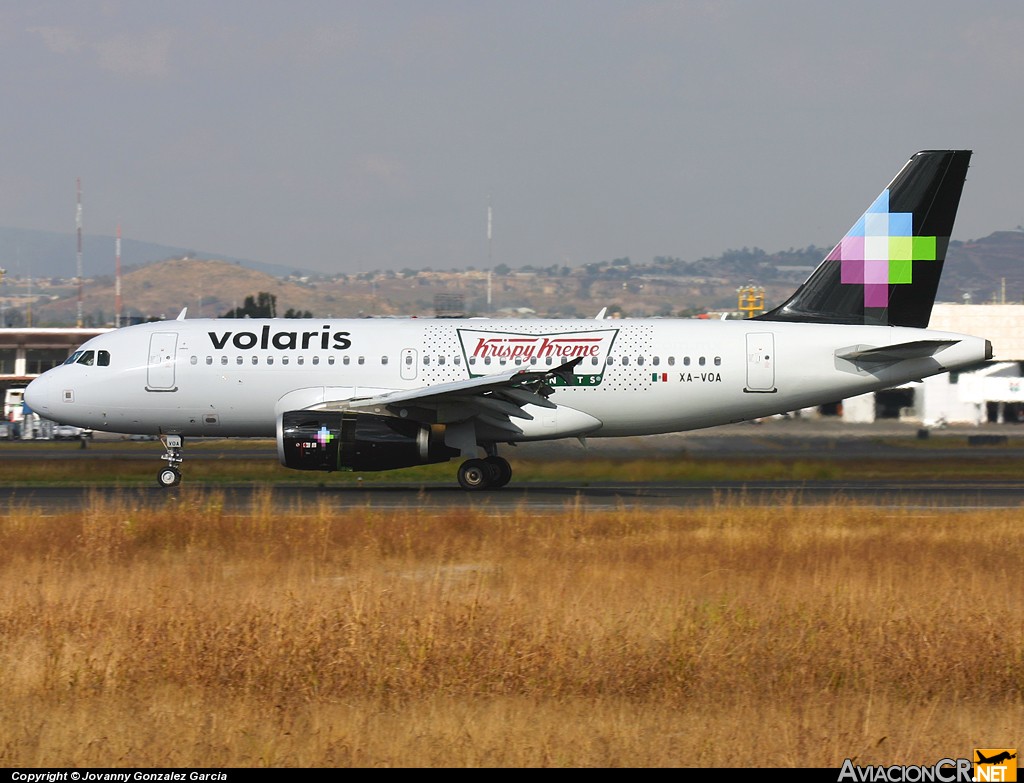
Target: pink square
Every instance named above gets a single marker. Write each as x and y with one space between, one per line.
852 247
876 295
876 271
852 271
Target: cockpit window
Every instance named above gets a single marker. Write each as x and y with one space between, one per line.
88 358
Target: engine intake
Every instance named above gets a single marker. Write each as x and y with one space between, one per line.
324 440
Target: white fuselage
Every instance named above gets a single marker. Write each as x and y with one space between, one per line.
227 377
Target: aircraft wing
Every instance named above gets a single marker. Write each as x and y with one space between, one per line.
490 399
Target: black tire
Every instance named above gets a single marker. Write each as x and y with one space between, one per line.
474 474
169 477
501 471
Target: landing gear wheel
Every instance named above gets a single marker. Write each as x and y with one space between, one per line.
501 471
169 477
474 474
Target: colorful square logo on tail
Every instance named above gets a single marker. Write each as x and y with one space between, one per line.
995 764
880 251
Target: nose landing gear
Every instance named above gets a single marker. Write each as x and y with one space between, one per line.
170 476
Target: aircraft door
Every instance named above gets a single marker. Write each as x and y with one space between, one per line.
760 363
408 364
162 348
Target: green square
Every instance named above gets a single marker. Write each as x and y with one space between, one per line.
900 271
924 248
901 248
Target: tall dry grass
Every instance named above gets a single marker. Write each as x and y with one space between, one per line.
726 635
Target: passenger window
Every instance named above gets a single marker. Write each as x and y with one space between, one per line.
718 361
209 360
193 360
223 360
671 361
361 360
686 361
458 360
255 360
301 360
701 361
625 361
270 360
640 360
330 360
316 360
239 360
426 360
345 360
383 360
440 360
656 361
284 360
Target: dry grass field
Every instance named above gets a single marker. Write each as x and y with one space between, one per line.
723 636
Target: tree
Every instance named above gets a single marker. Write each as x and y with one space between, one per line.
264 305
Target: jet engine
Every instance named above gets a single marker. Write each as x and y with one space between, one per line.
328 440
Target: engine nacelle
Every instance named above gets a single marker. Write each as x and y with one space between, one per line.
325 440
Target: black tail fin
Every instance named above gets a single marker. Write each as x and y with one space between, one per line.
886 269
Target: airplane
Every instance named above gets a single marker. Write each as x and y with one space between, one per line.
379 394
996 759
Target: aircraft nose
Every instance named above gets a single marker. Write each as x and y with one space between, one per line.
40 395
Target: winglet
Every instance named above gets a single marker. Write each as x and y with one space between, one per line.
566 371
181 315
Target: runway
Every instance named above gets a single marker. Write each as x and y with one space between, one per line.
802 440
554 497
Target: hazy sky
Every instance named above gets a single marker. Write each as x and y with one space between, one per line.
352 136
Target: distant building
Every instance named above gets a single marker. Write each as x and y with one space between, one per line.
993 392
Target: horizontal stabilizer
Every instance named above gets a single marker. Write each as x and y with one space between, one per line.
889 354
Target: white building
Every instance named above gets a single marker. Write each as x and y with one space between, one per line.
992 393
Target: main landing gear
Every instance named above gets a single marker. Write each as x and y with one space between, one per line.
170 476
490 473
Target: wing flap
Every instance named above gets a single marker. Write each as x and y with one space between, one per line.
491 400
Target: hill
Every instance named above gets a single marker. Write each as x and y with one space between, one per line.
984 270
49 254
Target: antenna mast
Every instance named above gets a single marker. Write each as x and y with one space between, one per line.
78 224
117 278
489 255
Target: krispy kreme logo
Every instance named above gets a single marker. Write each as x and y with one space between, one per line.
531 348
